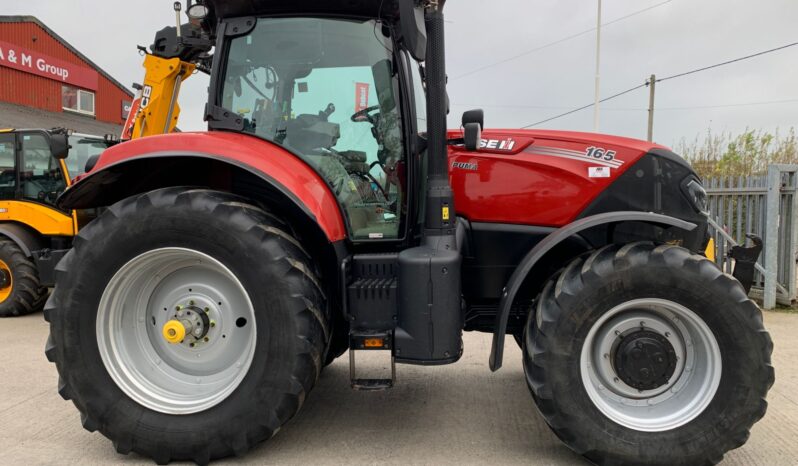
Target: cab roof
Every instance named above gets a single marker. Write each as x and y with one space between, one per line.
359 8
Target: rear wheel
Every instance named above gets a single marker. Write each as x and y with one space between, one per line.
20 292
186 325
647 354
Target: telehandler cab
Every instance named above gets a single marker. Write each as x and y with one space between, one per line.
328 208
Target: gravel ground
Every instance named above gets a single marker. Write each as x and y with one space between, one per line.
457 414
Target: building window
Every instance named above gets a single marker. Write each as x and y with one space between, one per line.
77 100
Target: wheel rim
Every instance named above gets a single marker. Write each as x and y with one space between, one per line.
142 302
675 376
6 281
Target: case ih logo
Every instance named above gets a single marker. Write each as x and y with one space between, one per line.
497 144
18 58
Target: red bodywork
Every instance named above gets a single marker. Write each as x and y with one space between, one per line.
544 180
540 178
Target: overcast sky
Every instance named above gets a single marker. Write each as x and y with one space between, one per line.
677 36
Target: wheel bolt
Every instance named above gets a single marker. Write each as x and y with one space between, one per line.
191 345
191 303
606 355
207 339
667 334
207 310
178 307
616 380
213 323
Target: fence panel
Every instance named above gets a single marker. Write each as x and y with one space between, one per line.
763 205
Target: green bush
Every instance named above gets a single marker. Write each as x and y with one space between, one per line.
746 154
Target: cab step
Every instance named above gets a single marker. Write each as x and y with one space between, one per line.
371 341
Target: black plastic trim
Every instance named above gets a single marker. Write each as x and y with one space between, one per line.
239 26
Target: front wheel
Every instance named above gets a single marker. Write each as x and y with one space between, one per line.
186 325
20 291
644 354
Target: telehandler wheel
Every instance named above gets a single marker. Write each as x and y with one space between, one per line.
20 292
186 325
644 354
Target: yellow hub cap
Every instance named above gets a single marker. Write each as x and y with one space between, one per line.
174 331
5 290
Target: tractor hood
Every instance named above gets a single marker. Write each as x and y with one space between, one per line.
551 178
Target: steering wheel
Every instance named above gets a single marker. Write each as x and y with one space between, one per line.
364 114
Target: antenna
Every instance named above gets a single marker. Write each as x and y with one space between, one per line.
178 6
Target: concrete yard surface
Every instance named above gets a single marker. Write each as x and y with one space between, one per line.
457 414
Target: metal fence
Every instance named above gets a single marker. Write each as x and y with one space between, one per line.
764 206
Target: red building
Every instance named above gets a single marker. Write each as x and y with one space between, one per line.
45 82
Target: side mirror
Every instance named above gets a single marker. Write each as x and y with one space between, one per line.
413 28
59 145
382 73
474 116
472 135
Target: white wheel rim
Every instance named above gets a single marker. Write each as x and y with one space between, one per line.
687 392
197 373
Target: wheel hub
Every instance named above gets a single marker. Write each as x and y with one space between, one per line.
188 325
645 360
5 278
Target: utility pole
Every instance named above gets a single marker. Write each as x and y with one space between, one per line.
652 83
598 70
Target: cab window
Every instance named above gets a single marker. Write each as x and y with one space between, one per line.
8 173
327 90
40 174
419 95
81 148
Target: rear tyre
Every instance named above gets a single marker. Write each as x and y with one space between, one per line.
20 292
251 335
646 354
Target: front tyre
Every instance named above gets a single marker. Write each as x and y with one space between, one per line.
186 325
644 354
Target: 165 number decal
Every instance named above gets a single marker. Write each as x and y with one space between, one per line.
599 153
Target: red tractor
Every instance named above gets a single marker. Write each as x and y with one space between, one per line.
328 208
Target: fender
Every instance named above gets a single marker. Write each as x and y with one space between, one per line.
27 240
121 171
540 250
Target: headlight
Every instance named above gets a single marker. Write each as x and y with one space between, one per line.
697 195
